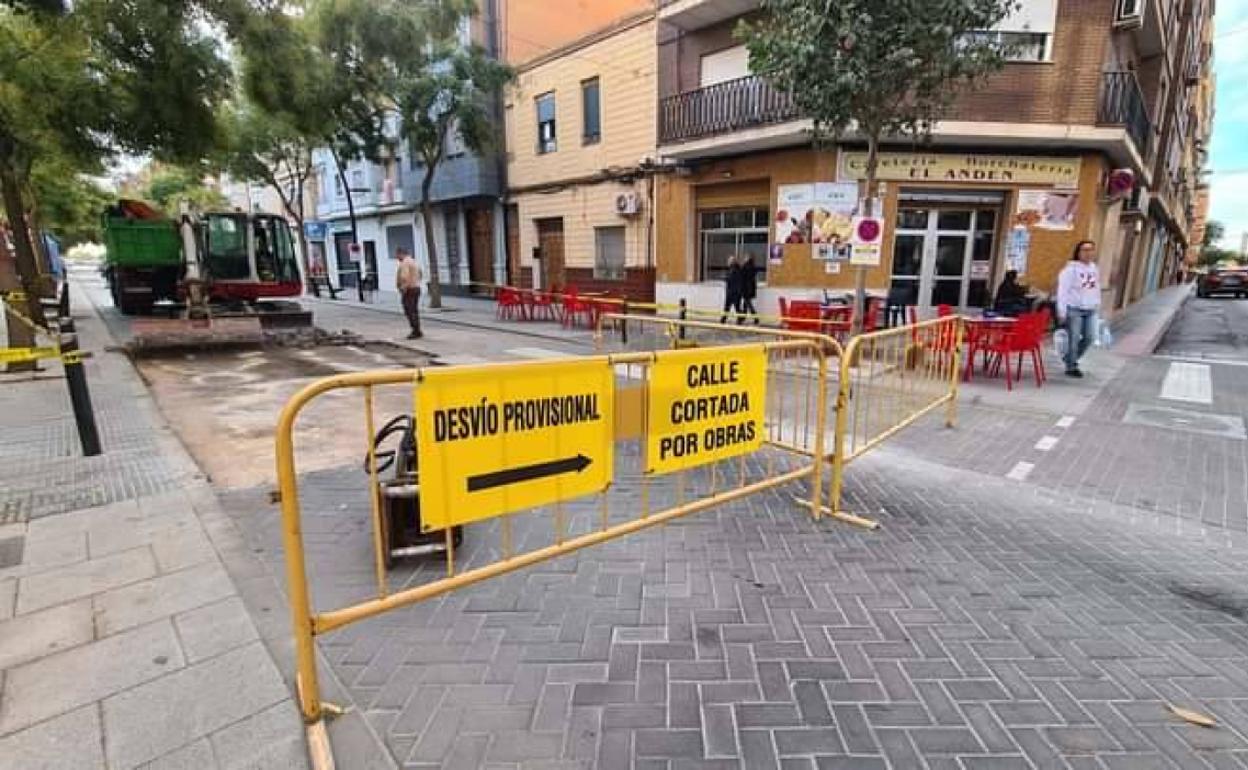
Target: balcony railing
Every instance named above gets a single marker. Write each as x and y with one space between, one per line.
729 106
1122 104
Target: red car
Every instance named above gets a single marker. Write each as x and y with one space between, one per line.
1223 281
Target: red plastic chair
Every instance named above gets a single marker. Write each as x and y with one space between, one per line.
574 307
803 316
1024 336
508 304
839 321
871 319
542 305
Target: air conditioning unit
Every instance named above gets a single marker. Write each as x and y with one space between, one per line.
627 204
1130 13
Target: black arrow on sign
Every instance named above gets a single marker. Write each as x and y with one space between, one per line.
507 476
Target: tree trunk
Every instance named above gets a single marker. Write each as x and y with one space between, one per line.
860 272
431 246
355 233
21 335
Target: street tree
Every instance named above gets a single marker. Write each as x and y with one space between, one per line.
874 69
67 201
413 79
167 186
1214 231
452 100
83 80
264 147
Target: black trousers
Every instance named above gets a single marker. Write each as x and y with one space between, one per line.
411 308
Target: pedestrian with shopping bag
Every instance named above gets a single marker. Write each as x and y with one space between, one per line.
1078 303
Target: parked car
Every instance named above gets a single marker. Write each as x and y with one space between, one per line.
1223 281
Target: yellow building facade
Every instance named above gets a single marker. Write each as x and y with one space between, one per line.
580 128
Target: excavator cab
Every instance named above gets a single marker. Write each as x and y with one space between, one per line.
249 257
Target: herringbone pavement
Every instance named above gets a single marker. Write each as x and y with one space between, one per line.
987 625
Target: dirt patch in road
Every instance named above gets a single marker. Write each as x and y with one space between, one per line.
225 406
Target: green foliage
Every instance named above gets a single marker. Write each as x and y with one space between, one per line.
69 203
167 186
263 147
1212 256
1214 230
884 66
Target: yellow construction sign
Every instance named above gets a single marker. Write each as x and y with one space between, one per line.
496 439
706 404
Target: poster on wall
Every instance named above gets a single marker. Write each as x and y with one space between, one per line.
1047 209
775 255
832 212
1016 248
815 213
793 204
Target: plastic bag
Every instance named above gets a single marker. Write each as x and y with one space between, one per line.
1061 342
1104 337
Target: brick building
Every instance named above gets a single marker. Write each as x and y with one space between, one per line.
580 124
1016 173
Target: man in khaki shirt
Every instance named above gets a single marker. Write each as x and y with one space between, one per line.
408 280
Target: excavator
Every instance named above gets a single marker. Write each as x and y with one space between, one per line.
217 278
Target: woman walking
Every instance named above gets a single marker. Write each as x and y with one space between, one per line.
1078 300
749 289
732 289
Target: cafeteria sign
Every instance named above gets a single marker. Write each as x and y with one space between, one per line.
958 167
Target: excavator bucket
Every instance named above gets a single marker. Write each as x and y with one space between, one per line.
151 335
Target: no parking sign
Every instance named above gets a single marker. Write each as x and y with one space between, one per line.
867 238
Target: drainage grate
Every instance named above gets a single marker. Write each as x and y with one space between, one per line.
11 551
1224 425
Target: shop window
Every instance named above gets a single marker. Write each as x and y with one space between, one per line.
609 253
546 124
727 232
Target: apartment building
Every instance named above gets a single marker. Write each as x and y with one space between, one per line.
1085 134
467 195
580 125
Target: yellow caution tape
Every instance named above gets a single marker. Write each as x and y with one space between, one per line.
24 355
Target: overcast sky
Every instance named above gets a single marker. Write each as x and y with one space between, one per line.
1228 158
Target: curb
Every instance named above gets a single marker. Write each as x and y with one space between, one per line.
425 316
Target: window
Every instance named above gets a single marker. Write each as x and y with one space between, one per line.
591 120
723 233
546 123
338 186
609 254
722 66
455 146
1017 46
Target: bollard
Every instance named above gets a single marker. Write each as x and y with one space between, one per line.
79 394
624 324
684 313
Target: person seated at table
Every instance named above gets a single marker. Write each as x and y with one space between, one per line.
1011 298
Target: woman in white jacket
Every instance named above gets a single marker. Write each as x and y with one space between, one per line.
1078 300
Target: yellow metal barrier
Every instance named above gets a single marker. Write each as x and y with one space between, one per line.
888 380
884 382
655 425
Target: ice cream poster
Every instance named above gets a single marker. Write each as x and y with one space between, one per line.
815 213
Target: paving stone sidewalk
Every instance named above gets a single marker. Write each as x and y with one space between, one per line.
124 643
987 625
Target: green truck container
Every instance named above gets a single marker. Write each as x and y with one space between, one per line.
143 262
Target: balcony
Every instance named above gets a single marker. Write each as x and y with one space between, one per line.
690 15
723 108
1122 104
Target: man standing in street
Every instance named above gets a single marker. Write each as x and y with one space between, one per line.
408 281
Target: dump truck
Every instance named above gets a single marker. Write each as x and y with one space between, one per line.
230 266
